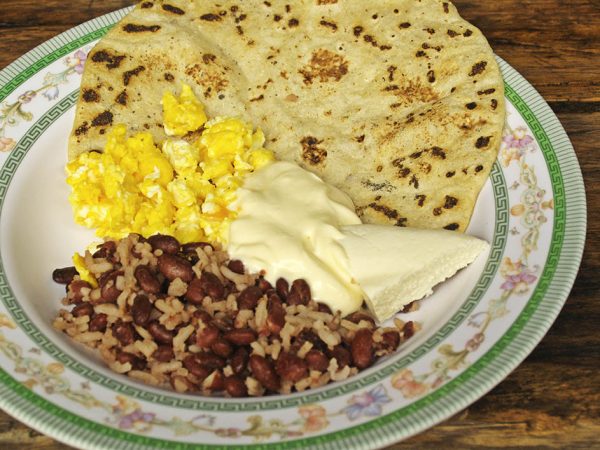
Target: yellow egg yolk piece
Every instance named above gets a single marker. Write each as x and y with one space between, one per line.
180 188
84 273
184 114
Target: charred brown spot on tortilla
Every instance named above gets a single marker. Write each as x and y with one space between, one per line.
121 99
103 119
360 138
90 96
494 103
467 33
147 5
293 23
452 33
211 77
391 70
328 24
420 54
431 76
404 25
420 198
379 168
326 66
288 8
241 18
259 98
82 129
450 174
128 75
478 68
375 187
450 202
437 211
414 181
438 152
135 28
486 91
410 118
291 98
429 30
483 141
426 46
479 168
326 2
267 4
112 61
446 7
452 226
169 76
311 152
357 30
210 17
388 212
412 91
208 58
471 105
239 30
425 167
173 9
416 155
277 17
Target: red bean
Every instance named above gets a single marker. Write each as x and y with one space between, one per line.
168 244
263 371
249 297
123 332
240 336
98 323
291 367
108 287
195 292
317 360
362 348
64 275
141 310
207 336
164 353
211 284
239 360
282 287
147 280
83 309
235 386
299 293
160 333
173 266
235 265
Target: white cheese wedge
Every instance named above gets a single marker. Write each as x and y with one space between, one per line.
395 266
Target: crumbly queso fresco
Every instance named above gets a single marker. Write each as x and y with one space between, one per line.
161 300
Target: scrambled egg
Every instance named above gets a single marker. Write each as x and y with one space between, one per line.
182 189
82 270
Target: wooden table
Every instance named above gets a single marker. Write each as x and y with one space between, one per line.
553 398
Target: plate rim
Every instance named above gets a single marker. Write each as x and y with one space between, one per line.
35 60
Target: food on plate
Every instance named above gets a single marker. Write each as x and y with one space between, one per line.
188 317
395 266
290 224
173 187
398 103
248 263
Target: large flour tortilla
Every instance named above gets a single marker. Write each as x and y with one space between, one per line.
398 103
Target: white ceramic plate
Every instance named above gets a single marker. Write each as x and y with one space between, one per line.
477 327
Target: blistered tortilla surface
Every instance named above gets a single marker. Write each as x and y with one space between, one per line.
398 103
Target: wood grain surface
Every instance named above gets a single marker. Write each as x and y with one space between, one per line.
552 400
